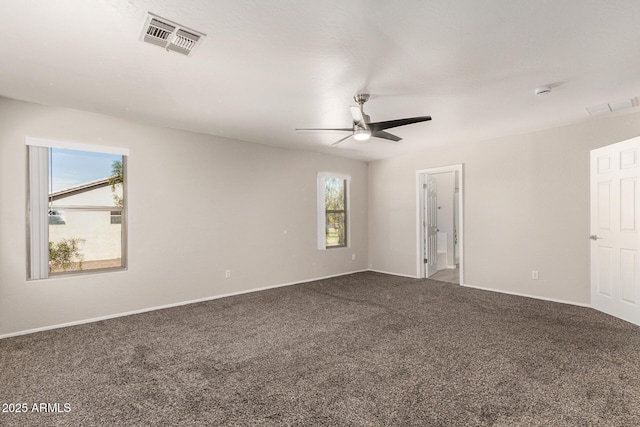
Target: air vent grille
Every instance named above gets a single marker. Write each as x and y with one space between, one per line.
613 106
183 42
158 32
171 36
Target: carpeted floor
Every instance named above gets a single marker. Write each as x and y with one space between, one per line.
361 350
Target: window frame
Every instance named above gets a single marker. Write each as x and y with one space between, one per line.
322 177
37 219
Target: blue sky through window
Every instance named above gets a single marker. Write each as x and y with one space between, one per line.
70 168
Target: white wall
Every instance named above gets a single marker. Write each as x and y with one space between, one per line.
198 205
251 209
526 208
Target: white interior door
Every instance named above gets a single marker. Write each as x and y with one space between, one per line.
431 229
615 272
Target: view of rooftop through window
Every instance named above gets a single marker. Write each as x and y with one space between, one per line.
86 202
70 168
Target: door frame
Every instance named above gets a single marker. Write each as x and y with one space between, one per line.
420 220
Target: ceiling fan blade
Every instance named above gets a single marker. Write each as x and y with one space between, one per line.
335 144
344 129
386 135
395 123
358 118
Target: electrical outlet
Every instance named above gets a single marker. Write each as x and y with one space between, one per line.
227 274
353 257
534 275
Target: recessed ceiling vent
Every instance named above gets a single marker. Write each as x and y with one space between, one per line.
613 107
158 32
169 35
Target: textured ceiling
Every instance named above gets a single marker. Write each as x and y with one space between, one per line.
268 67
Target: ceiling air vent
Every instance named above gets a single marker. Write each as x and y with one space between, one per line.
158 32
183 42
612 107
165 33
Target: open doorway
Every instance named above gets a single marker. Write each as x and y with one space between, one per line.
440 223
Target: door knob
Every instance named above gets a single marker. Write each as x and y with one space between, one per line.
594 237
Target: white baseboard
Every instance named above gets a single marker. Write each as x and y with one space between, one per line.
264 288
176 304
579 304
393 274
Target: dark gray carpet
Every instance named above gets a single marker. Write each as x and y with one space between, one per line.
361 350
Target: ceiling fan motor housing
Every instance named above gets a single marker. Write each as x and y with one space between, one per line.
361 98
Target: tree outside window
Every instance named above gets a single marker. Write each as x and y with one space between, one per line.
336 212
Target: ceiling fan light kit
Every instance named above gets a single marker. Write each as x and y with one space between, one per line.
362 135
363 130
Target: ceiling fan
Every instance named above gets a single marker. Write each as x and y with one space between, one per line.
363 130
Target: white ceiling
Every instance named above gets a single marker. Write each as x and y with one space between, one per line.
268 67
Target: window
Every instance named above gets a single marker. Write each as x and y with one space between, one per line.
56 217
333 210
77 208
116 217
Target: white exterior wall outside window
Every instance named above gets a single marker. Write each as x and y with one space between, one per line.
102 238
77 218
324 232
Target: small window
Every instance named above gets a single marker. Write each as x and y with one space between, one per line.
56 217
116 217
76 208
333 213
